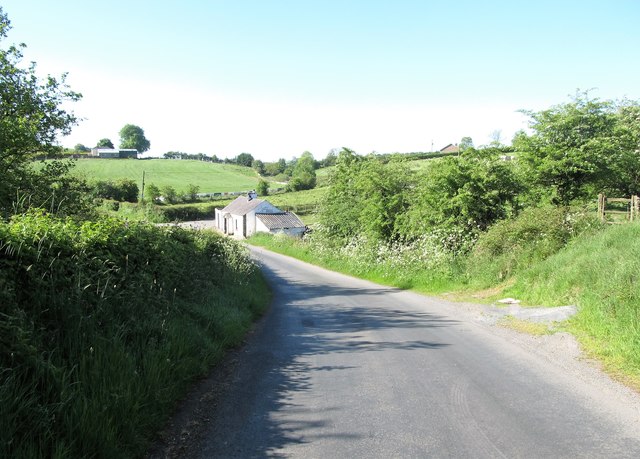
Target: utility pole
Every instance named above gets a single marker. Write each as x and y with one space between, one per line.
142 194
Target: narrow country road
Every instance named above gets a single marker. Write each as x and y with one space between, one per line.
343 368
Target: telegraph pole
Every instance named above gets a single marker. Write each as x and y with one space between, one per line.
142 194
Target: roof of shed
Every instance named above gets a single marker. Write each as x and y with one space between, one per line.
280 221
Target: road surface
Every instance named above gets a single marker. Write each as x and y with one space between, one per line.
343 368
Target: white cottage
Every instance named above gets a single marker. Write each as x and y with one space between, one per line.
247 215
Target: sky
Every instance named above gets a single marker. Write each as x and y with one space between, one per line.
275 78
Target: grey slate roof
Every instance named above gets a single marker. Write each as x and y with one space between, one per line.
242 206
280 221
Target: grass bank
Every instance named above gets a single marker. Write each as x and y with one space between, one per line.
600 274
104 325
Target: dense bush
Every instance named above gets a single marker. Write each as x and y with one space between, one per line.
104 324
188 213
121 190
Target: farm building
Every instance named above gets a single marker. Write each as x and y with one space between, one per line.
451 148
247 215
114 153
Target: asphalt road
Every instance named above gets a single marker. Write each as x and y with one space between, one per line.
343 368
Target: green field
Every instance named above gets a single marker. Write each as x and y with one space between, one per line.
209 177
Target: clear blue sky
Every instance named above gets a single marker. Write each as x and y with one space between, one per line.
276 78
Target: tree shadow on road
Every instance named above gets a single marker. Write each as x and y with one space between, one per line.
261 415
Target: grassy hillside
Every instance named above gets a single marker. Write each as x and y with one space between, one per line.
209 177
599 274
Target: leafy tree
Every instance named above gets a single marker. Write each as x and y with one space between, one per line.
262 188
303 176
104 143
624 178
244 159
132 136
366 196
572 147
31 119
258 166
461 193
81 148
330 159
272 169
192 193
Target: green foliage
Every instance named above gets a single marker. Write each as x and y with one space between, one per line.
80 148
599 274
258 166
104 325
169 194
188 213
263 188
132 136
244 159
465 192
192 193
367 195
582 147
512 245
104 143
153 192
304 174
31 119
120 190
53 188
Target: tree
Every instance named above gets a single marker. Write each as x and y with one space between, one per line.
31 120
573 148
192 193
303 176
466 193
258 166
244 159
104 143
366 196
81 148
262 188
132 136
465 144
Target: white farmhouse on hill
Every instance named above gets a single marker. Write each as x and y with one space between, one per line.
248 215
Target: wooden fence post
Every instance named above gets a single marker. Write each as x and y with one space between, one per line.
601 204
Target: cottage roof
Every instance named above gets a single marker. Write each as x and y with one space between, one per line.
242 205
280 221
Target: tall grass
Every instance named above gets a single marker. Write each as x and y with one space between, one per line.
103 326
599 274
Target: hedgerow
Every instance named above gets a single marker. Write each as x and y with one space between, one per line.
104 324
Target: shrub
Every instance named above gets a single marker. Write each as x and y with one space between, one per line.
122 190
